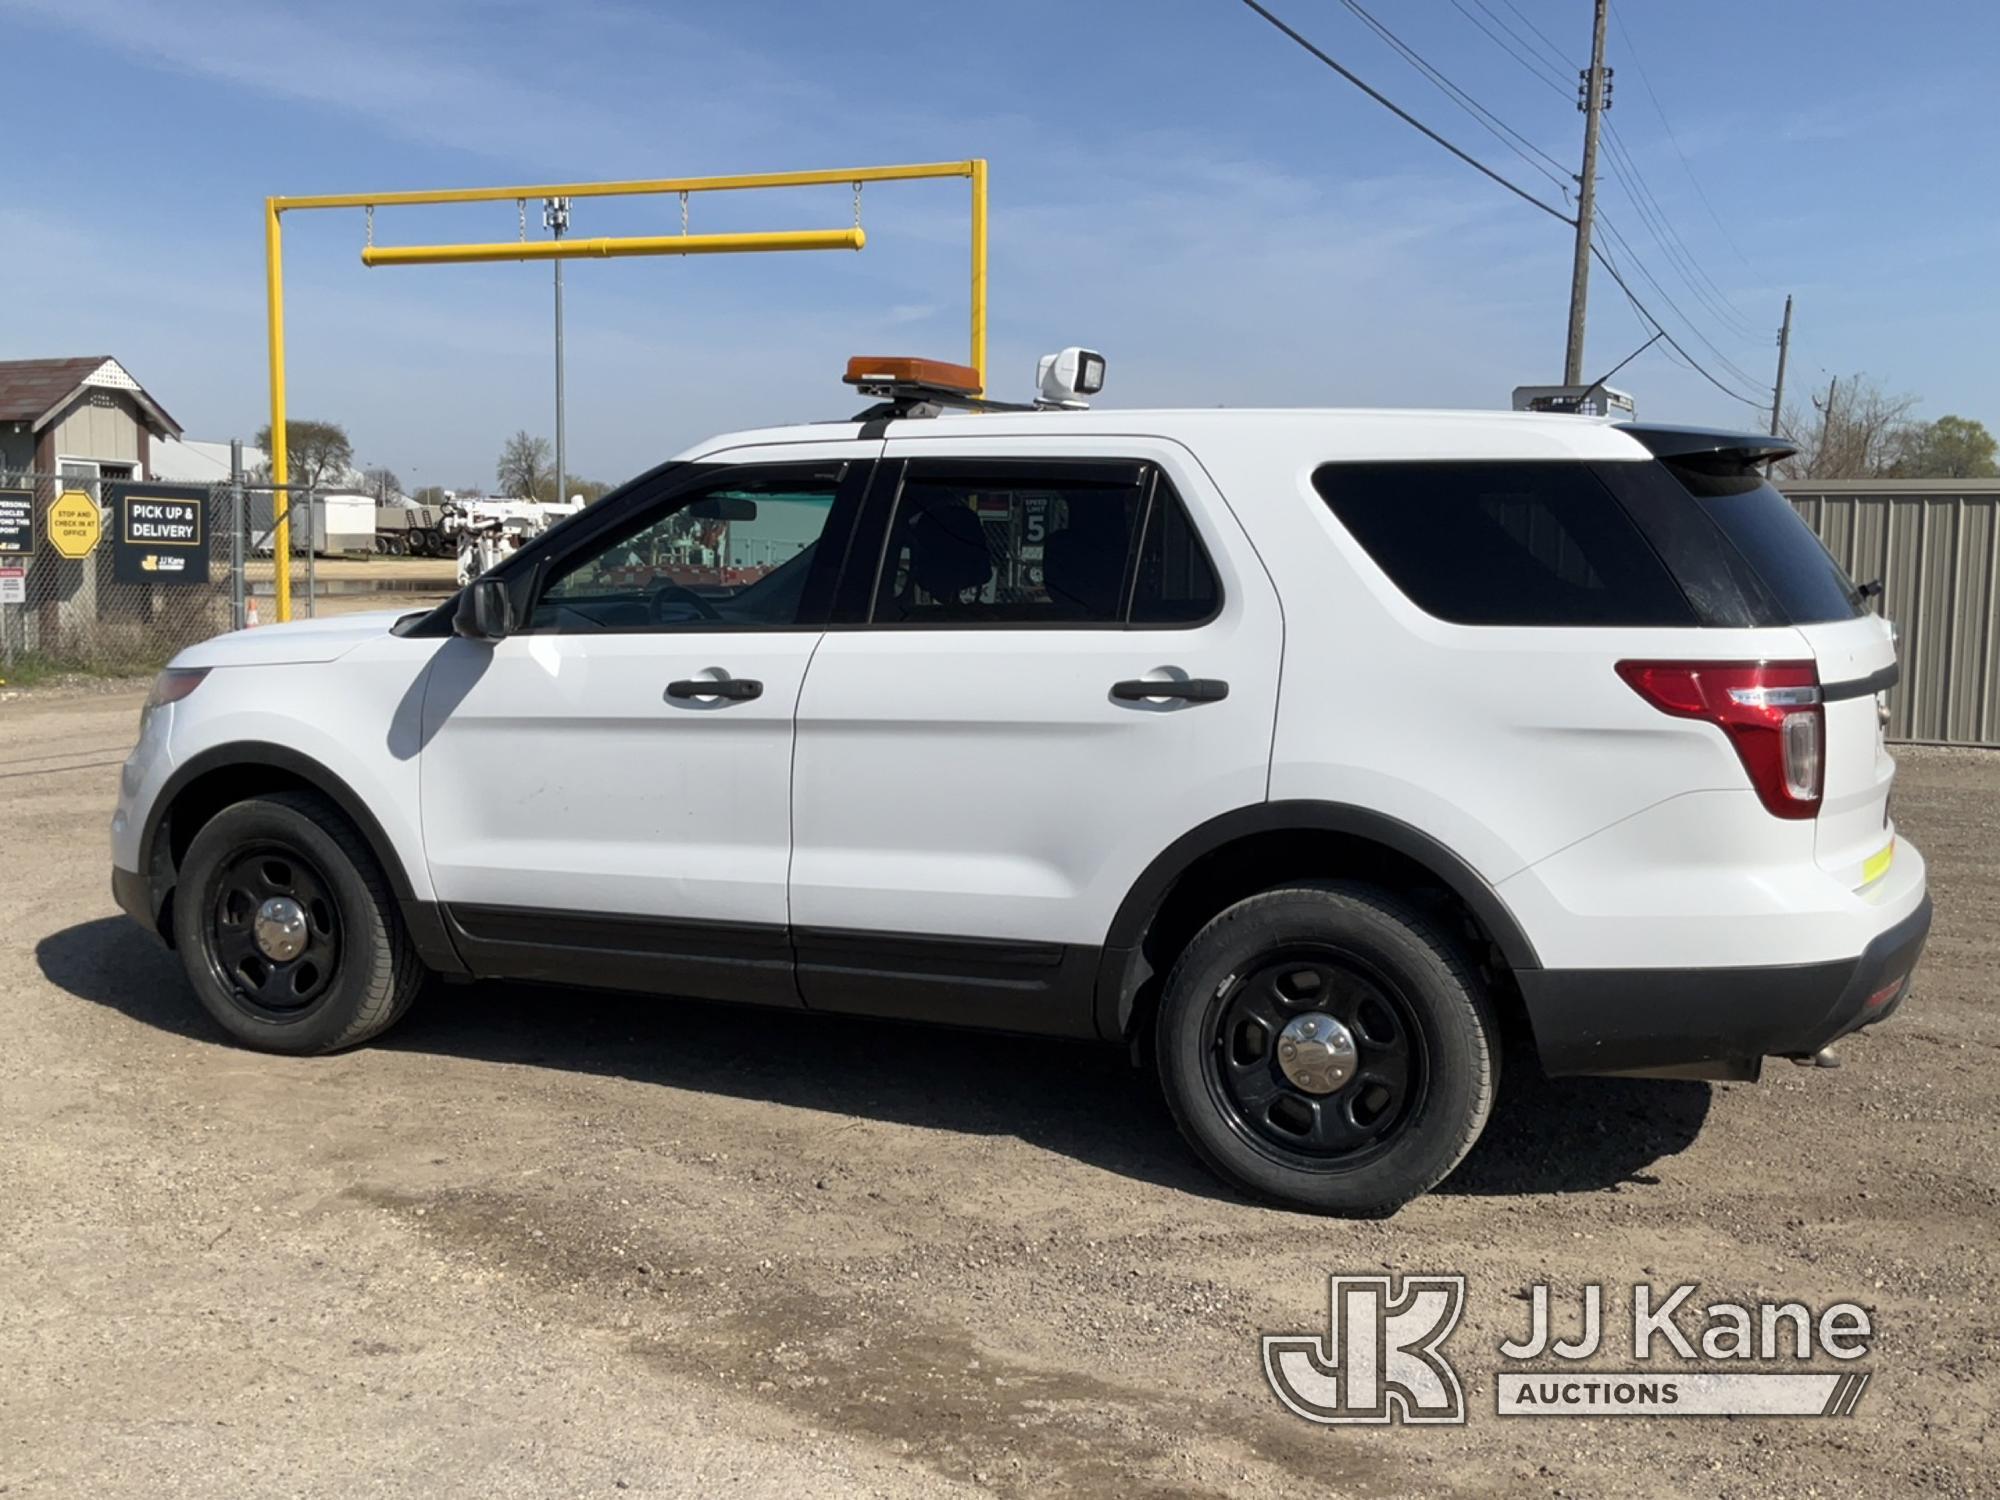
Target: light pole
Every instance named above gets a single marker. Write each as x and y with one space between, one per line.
555 219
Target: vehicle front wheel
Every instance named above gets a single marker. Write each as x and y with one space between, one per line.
288 929
1328 1046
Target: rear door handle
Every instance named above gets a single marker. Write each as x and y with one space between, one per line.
740 688
1193 689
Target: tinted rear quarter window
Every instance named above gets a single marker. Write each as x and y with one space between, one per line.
1504 543
1809 586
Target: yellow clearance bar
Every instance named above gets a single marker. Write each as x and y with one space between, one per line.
711 244
637 186
657 244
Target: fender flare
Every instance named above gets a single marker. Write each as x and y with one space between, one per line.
1115 979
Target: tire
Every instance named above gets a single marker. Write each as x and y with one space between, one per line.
356 972
1420 1050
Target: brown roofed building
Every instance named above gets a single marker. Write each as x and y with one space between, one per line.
85 418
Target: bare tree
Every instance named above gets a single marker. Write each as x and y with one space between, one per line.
1857 430
381 481
524 469
316 453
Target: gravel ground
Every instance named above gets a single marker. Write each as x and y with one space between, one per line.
549 1243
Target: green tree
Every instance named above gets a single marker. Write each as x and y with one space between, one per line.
316 453
1950 448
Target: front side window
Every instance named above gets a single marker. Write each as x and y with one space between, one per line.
736 555
1504 542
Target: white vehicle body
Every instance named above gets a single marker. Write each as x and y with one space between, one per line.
968 824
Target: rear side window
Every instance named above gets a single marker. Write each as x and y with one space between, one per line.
1176 583
1505 543
1809 586
1011 545
1024 543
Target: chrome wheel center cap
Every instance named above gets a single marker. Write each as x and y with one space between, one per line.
280 929
1317 1053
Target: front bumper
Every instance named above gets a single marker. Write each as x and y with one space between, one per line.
134 894
1716 1022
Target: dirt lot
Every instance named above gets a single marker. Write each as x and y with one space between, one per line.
549 1243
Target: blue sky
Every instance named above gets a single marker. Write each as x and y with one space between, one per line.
1173 183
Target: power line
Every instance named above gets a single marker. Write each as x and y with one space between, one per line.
1562 58
1525 59
1666 124
1554 170
1519 192
1692 327
1412 121
1604 259
1626 168
1660 224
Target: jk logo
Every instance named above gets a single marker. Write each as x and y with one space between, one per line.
1379 1361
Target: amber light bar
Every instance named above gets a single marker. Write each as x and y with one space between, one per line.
870 371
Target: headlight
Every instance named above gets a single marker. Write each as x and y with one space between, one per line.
173 685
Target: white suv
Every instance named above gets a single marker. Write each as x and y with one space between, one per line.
1303 750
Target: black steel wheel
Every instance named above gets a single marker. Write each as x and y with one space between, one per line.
1315 1056
1328 1046
288 928
273 932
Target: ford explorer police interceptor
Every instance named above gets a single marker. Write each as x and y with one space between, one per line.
1322 756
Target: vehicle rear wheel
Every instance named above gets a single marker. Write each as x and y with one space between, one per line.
1329 1047
288 929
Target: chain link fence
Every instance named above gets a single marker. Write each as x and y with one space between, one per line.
114 576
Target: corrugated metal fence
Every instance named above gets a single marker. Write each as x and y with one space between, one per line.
1935 544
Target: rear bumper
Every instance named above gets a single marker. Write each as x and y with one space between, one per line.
1716 1022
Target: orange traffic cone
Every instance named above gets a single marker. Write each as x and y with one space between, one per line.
249 613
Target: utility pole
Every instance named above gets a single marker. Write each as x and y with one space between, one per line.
1593 101
555 219
1784 349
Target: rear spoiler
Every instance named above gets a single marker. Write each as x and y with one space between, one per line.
1745 448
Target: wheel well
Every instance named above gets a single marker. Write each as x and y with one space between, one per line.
1262 861
207 795
260 771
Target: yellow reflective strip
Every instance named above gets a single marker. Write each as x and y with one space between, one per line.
1877 865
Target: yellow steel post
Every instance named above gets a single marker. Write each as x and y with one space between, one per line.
978 175
975 169
274 295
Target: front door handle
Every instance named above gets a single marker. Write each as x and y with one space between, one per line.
741 689
1193 689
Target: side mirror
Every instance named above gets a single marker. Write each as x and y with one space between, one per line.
484 612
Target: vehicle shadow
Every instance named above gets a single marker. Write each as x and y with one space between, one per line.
1083 1101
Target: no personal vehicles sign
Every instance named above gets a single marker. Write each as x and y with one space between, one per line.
160 533
17 521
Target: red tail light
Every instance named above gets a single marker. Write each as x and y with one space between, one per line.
1770 710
